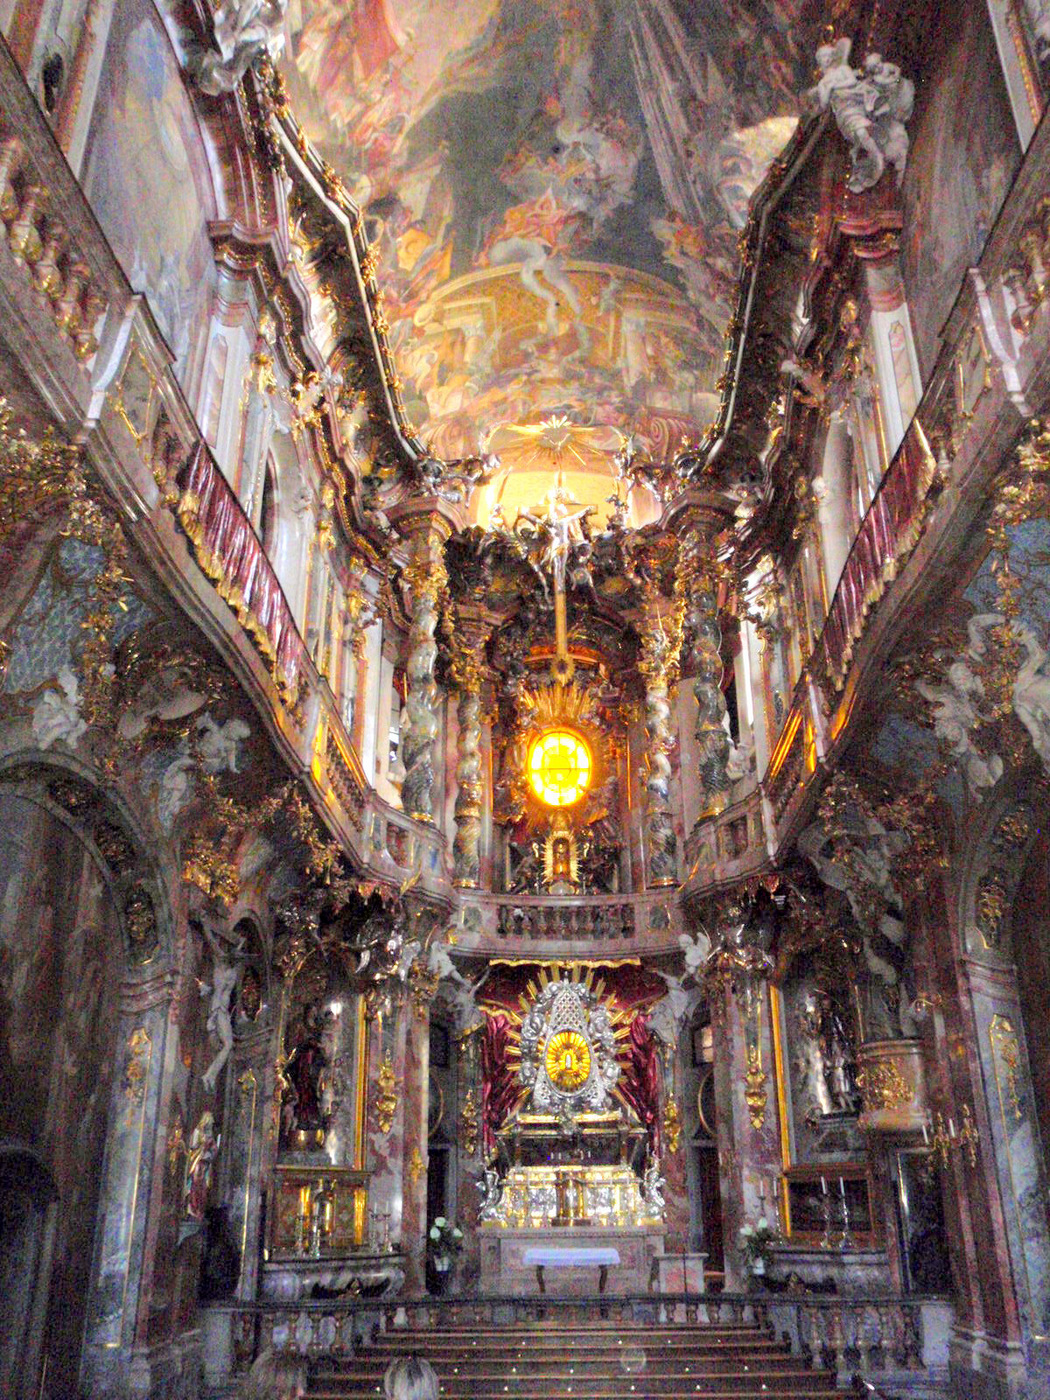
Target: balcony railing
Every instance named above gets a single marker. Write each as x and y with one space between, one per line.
888 533
230 553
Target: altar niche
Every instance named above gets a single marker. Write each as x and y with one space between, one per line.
320 1187
573 1167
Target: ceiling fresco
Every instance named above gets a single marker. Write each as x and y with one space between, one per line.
556 189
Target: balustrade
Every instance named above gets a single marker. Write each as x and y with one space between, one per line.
604 919
887 535
878 1336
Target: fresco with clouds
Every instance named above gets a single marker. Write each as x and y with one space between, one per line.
556 188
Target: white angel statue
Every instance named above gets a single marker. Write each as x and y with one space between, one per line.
244 31
870 107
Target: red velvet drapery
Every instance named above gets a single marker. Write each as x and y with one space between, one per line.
499 1088
640 1078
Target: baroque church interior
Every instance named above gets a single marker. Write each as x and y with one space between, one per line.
525 725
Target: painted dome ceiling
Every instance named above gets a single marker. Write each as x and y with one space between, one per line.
556 190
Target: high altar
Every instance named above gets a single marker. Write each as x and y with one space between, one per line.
566 1187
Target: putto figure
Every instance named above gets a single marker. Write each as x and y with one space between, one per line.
870 106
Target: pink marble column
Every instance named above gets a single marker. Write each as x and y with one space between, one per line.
416 1083
748 1133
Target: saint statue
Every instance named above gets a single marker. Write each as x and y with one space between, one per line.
303 1111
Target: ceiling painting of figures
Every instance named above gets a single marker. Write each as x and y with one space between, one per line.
556 189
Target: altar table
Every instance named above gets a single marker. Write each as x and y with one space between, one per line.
510 1256
571 1257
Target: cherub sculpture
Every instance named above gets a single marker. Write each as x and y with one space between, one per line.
870 107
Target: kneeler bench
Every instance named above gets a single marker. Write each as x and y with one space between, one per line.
571 1257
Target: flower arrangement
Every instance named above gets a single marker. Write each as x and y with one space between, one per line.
755 1241
445 1242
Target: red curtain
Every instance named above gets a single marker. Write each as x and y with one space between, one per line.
640 1078
499 1089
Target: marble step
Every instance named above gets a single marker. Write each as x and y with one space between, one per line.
369 1362
642 1388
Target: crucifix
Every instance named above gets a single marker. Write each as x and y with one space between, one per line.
562 523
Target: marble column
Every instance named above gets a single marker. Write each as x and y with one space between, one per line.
426 580
132 1180
673 1158
661 644
384 1119
416 1095
748 1128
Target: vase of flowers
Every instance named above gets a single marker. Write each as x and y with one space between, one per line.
444 1242
755 1242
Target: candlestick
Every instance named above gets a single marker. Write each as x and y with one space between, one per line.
925 1136
951 1128
824 1185
842 1188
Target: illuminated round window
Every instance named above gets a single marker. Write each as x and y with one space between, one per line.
559 768
568 1060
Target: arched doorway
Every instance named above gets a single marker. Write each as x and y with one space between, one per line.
1030 936
61 963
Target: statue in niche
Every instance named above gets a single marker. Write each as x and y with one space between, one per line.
225 972
303 1119
201 1151
561 870
858 862
825 1058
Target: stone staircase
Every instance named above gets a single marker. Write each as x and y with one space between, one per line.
589 1361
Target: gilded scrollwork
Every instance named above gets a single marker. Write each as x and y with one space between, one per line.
386 1099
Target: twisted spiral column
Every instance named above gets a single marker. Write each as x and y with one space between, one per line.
466 848
661 644
426 579
712 738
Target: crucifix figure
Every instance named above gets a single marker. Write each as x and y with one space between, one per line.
562 527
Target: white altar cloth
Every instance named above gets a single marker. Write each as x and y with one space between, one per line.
570 1256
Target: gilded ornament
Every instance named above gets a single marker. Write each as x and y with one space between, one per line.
416 1167
990 909
568 1060
672 1124
176 1145
468 1124
136 1066
424 985
1006 1049
386 1096
883 1086
755 1088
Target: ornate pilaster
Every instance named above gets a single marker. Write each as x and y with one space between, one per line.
250 1096
661 645
121 1271
426 579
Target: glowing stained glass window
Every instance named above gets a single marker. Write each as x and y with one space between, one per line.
559 768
